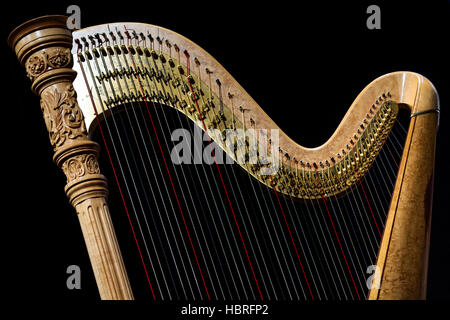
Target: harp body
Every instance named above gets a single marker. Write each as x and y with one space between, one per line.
120 62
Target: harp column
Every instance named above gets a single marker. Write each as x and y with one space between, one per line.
43 46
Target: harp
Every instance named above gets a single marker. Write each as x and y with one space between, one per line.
92 80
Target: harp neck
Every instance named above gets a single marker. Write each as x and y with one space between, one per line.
128 62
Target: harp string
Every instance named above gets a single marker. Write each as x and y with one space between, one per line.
306 256
141 183
337 238
269 234
380 170
243 210
223 252
231 274
312 221
114 170
352 248
124 176
244 151
368 204
158 120
157 203
293 245
314 213
291 259
346 245
224 187
264 190
202 232
367 199
360 208
340 255
233 194
218 190
376 200
160 103
171 205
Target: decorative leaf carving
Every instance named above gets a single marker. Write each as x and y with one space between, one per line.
63 117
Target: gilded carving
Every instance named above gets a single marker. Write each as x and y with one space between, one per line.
63 117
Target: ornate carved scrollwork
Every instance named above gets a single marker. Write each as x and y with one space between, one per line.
79 166
62 115
45 60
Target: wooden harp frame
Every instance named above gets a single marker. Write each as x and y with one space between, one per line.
45 47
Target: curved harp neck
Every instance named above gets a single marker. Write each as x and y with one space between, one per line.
128 62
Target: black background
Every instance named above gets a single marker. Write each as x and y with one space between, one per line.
303 64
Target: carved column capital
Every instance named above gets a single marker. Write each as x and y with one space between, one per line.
43 47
